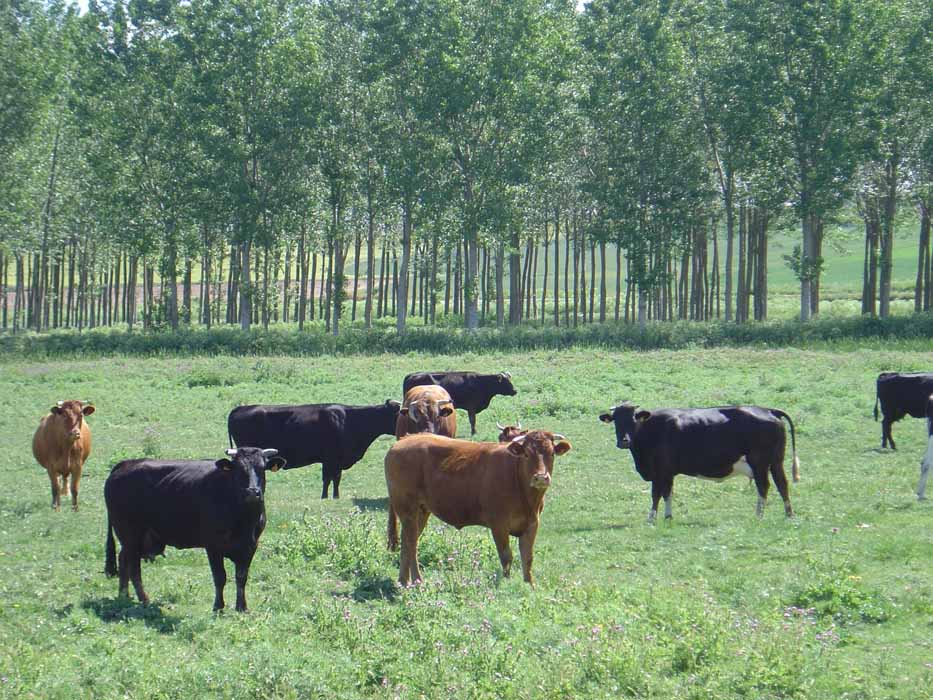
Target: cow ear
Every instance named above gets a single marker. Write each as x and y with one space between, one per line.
562 448
446 411
516 448
88 410
224 465
55 410
606 418
276 463
643 415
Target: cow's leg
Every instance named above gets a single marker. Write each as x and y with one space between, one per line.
134 564
471 414
925 471
409 548
659 488
124 570
887 437
526 546
75 478
325 477
219 574
501 538
63 491
668 505
780 480
761 481
420 523
242 563
337 474
56 502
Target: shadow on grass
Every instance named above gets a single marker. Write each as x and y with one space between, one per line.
375 588
126 610
365 504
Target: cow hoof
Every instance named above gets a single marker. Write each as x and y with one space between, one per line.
921 497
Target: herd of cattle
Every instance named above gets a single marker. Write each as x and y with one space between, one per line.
219 505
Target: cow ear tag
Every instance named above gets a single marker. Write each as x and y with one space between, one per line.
224 465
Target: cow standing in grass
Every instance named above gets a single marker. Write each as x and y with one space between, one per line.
61 444
709 443
900 394
218 505
427 409
470 391
499 486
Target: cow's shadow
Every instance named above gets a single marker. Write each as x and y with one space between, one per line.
126 610
365 504
375 588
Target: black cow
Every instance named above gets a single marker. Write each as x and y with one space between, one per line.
709 443
901 394
335 435
470 391
215 505
928 457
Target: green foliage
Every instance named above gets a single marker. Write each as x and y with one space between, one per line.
287 341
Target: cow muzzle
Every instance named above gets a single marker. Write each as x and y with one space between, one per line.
624 443
74 435
253 495
541 481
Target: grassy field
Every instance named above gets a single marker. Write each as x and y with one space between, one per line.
837 603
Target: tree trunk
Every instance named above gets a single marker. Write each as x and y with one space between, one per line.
730 233
515 284
500 285
923 261
357 246
556 267
402 292
370 259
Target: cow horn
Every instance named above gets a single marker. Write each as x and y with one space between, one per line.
269 452
61 403
519 426
500 426
444 401
519 438
230 452
507 375
555 437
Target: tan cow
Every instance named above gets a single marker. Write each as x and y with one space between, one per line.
62 444
499 486
426 409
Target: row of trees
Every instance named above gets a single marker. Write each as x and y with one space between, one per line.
164 162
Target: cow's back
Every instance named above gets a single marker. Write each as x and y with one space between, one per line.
904 392
302 434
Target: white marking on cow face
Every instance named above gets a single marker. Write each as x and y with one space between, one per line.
925 466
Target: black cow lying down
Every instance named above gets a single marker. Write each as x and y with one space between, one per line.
333 434
900 394
215 505
709 443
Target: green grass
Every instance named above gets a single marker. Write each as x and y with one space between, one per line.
715 604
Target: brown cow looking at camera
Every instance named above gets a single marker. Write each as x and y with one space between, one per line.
507 433
62 444
426 409
499 486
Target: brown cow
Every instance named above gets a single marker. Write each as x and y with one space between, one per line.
507 433
62 444
426 409
499 486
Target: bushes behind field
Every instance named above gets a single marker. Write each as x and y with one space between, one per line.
287 340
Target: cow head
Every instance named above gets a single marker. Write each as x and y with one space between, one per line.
246 468
425 414
504 384
508 432
535 450
626 418
70 416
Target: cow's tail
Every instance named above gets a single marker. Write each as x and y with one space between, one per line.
392 530
877 391
110 565
793 441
